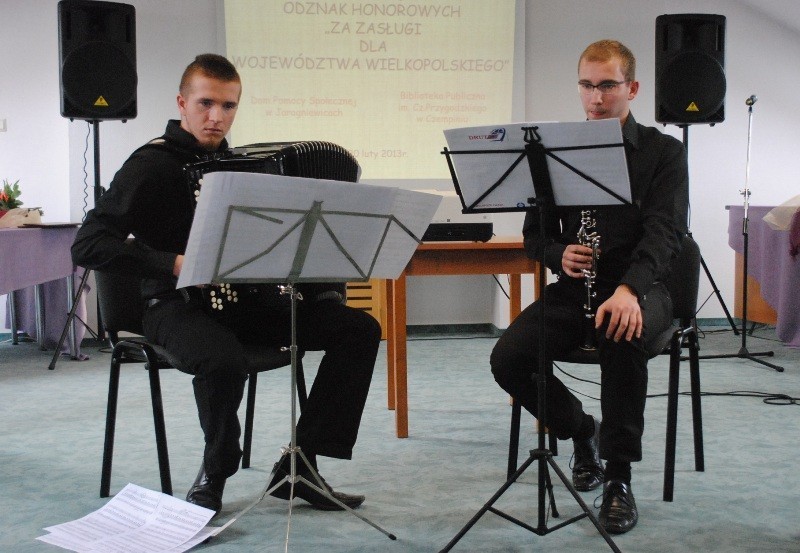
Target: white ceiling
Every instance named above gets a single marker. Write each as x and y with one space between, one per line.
786 12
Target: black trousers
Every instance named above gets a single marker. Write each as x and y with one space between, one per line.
210 348
623 366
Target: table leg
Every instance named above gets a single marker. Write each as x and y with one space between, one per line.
391 341
38 305
400 359
12 311
515 293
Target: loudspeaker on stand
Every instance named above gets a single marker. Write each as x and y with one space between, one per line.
690 69
97 51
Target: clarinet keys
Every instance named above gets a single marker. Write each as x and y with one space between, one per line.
590 240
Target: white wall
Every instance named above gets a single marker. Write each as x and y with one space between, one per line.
46 151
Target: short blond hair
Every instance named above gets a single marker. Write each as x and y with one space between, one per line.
605 50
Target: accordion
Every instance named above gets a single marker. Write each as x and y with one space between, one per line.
309 159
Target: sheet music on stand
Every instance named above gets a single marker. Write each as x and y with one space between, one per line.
248 228
586 159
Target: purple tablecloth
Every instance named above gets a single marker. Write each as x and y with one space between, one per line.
771 264
30 256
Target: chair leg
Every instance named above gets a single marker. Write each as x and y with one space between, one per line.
697 411
160 428
248 420
672 415
111 422
513 439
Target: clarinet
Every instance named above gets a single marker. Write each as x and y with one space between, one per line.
590 239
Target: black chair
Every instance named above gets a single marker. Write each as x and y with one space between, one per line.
683 287
121 310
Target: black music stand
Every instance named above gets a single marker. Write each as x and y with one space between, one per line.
537 156
292 240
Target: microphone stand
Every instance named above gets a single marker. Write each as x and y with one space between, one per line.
743 352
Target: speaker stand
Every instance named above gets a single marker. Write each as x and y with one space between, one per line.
703 261
98 191
100 335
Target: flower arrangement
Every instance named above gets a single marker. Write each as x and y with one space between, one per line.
9 196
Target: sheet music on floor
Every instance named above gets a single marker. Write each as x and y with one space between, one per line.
136 520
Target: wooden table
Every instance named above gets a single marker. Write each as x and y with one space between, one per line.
497 256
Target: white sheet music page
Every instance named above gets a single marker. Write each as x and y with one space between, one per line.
133 521
249 227
482 155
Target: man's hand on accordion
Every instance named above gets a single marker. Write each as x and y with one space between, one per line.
176 268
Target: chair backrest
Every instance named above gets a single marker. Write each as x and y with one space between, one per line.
684 280
120 301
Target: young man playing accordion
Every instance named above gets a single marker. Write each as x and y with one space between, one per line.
151 199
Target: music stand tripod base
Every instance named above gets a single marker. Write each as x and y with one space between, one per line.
317 485
544 458
293 450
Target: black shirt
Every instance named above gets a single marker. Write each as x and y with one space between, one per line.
637 241
151 199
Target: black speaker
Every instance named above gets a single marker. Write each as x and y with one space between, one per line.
97 49
690 68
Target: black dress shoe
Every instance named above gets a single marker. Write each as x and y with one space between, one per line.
305 492
587 470
207 491
618 512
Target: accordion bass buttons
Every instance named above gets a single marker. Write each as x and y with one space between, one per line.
216 300
222 294
197 187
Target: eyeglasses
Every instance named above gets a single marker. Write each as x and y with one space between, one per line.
605 88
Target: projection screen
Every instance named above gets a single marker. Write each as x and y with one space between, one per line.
382 79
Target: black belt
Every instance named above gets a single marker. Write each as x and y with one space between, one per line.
153 301
182 294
